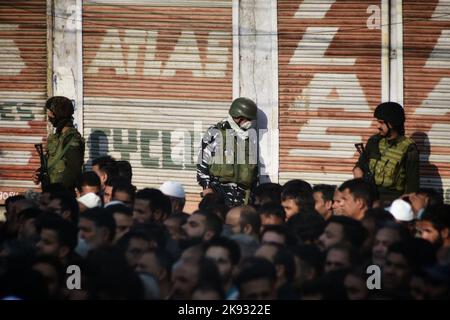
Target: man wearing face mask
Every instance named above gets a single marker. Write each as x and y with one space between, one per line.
390 158
65 147
228 159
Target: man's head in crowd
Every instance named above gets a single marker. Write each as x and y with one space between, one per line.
244 219
58 237
342 229
271 213
133 244
187 275
384 238
256 280
215 203
174 223
125 193
435 225
308 264
338 203
323 199
123 216
355 283
46 193
341 256
402 259
296 196
283 261
423 198
97 227
175 192
89 182
111 185
27 224
265 193
151 205
278 234
357 197
65 205
307 226
226 255
105 168
158 263
124 170
374 219
201 227
14 206
52 270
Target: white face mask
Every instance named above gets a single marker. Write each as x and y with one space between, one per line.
246 125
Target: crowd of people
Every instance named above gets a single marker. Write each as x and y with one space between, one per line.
291 241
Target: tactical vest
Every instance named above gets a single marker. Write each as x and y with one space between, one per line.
241 174
56 162
388 171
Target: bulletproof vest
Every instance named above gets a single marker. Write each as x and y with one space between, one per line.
389 171
243 174
57 145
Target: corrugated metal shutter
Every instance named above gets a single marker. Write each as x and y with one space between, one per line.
427 87
23 90
155 72
330 83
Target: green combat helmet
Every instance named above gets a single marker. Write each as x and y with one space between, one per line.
243 107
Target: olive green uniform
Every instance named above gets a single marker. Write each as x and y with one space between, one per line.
65 154
393 165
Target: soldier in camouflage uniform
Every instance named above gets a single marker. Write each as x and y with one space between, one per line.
228 159
65 147
390 160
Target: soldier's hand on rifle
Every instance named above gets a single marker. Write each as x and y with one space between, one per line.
207 191
35 176
357 172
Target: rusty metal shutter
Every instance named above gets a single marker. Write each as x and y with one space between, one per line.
330 83
154 72
427 87
23 90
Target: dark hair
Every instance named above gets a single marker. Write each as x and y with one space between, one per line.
306 226
285 258
214 202
121 184
110 276
89 178
401 230
311 255
68 202
123 243
419 253
54 262
353 230
353 254
251 217
434 197
106 164
124 170
359 189
13 199
300 191
330 286
234 251
102 218
30 213
379 217
290 240
155 232
255 268
158 201
120 208
327 191
180 216
212 223
268 192
272 209
438 215
66 232
163 258
54 187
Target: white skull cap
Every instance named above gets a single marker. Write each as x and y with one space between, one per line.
173 189
401 210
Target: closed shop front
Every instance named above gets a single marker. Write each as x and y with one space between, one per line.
23 91
330 81
155 75
426 47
